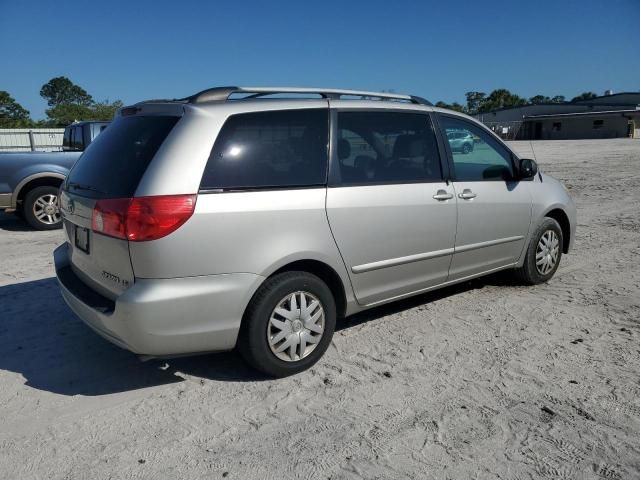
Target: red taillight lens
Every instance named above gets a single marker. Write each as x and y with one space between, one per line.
150 218
142 218
110 217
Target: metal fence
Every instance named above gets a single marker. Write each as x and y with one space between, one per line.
506 130
31 139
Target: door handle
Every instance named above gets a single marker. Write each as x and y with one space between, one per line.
467 194
443 195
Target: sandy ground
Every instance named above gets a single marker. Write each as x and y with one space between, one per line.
481 380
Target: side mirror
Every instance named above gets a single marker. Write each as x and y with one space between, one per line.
527 168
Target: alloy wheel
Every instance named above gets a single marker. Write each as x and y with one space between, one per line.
46 209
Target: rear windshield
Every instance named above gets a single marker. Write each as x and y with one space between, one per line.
115 161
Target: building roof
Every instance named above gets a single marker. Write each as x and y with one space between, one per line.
615 99
602 113
622 98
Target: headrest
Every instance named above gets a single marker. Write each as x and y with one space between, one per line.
408 146
344 149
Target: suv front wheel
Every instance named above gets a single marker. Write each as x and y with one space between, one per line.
288 325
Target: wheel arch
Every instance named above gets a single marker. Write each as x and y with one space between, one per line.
562 218
327 274
42 179
322 270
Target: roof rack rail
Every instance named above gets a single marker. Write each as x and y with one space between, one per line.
222 94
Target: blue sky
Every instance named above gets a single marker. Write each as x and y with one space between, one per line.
139 49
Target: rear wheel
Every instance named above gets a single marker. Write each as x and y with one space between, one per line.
543 254
40 208
288 324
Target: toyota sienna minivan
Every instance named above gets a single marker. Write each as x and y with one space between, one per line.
257 217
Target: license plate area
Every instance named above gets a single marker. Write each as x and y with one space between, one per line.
82 239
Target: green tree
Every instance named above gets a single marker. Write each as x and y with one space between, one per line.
12 114
538 99
62 91
501 98
69 103
67 113
451 106
46 123
584 96
105 110
474 101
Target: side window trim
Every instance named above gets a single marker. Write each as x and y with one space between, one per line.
449 153
334 178
446 158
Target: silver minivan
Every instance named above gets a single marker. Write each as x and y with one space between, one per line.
257 217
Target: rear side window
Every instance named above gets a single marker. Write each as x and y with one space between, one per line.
285 148
385 147
66 139
77 142
113 164
72 140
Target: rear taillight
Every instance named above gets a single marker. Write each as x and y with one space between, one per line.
110 217
140 219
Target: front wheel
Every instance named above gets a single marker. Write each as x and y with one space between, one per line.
41 209
288 325
543 254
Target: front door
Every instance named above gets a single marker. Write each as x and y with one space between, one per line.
391 213
494 210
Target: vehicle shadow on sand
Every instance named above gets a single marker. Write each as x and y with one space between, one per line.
42 340
13 223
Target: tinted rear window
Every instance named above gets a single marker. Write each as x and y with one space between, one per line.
115 161
286 148
66 139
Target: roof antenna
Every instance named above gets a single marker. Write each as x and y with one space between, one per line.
534 158
532 150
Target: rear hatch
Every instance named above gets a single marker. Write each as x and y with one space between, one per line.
110 168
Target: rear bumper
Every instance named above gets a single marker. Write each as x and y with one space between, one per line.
160 317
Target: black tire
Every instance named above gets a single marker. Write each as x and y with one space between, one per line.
529 273
252 341
466 148
28 208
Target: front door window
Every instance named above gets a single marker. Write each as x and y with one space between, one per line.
477 156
